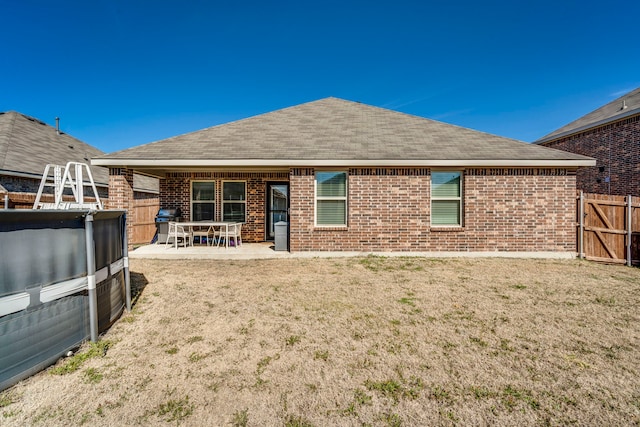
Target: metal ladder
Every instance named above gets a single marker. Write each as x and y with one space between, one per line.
69 176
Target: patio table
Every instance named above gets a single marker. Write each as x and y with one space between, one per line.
192 224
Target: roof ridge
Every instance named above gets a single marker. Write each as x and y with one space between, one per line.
444 123
593 119
333 132
14 138
27 144
227 123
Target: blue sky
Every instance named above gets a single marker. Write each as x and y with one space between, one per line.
121 73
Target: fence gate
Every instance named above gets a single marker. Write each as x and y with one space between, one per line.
609 228
144 226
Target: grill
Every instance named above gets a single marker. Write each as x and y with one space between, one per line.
162 222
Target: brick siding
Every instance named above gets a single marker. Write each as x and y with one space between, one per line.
22 192
504 209
16 184
175 192
121 195
389 210
616 147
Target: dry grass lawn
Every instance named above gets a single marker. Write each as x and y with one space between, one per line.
359 341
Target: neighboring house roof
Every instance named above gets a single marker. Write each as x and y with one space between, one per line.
27 145
335 132
623 107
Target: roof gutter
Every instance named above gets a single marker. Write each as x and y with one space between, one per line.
173 163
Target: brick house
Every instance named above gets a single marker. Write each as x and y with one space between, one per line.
27 145
610 134
353 177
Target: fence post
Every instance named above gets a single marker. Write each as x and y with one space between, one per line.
581 231
125 253
629 229
91 277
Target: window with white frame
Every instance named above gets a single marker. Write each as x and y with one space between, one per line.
234 201
331 199
203 200
446 198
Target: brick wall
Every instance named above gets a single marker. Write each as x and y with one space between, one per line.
175 192
616 147
522 209
16 184
22 191
388 210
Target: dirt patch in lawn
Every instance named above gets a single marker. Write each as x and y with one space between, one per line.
355 341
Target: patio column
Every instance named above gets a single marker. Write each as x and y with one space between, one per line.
121 196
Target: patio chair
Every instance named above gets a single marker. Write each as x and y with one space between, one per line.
179 232
238 236
233 232
208 233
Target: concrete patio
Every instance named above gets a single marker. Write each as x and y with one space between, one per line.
265 250
262 250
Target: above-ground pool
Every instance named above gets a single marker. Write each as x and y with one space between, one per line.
63 279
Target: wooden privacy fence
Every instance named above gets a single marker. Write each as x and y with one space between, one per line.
144 220
609 228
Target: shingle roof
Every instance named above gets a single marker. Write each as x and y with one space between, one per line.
625 106
28 144
334 131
